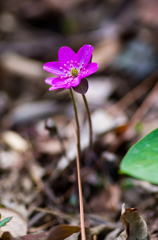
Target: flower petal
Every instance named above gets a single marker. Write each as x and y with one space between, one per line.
75 81
55 68
65 83
66 54
91 68
84 55
49 80
56 83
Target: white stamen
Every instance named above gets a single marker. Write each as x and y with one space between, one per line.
65 65
71 61
61 68
76 62
68 62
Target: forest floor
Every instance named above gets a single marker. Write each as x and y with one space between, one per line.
37 139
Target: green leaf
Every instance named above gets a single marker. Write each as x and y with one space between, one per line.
141 161
4 221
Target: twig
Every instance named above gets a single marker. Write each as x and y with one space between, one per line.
148 102
133 95
139 114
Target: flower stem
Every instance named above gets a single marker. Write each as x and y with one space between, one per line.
83 234
90 122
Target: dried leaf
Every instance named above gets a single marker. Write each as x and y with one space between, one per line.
7 236
106 51
104 85
38 236
61 232
17 226
135 226
15 141
19 65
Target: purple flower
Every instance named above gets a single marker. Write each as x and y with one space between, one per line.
71 69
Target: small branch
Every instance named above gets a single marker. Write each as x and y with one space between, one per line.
137 117
83 234
133 95
90 122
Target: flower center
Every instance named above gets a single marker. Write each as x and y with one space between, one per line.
74 72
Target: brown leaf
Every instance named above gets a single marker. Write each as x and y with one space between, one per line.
7 236
38 236
17 226
135 226
61 232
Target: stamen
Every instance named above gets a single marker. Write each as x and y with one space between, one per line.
76 62
61 68
82 64
65 65
71 61
71 65
74 72
68 62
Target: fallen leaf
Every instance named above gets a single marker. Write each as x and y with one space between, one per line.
135 226
15 141
19 65
7 236
38 236
61 232
106 51
17 226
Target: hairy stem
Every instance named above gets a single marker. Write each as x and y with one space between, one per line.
90 122
83 234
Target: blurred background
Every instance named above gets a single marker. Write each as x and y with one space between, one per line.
36 154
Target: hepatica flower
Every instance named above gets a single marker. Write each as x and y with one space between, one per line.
71 69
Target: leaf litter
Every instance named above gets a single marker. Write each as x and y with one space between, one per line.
37 179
